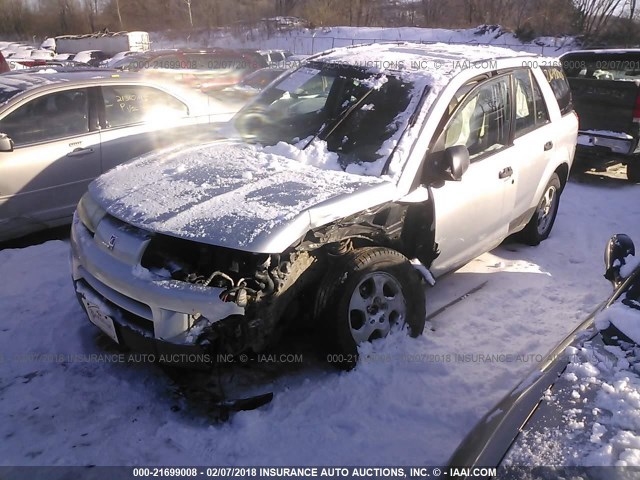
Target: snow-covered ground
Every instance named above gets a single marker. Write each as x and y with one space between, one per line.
68 398
307 41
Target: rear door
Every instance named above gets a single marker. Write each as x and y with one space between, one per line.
534 143
137 119
56 155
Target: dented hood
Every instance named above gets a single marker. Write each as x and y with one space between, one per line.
233 195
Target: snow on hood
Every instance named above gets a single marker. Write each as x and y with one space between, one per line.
233 195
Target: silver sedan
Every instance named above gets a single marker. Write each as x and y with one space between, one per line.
60 130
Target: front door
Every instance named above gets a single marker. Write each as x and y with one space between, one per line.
56 154
472 215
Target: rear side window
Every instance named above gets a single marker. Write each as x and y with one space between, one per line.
560 86
531 110
130 104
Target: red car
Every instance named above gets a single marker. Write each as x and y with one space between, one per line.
4 66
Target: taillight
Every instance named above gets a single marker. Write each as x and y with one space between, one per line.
636 110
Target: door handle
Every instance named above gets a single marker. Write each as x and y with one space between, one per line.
78 152
505 173
548 146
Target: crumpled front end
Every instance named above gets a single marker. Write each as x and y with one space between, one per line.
182 301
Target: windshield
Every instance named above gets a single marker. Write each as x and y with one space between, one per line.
353 111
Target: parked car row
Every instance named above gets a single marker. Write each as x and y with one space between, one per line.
207 69
196 61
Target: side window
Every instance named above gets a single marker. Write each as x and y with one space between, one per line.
130 104
560 86
49 117
525 108
482 121
276 57
531 110
542 114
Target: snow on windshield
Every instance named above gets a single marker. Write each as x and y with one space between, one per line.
355 116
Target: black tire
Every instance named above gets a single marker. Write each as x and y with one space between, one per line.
633 170
541 223
389 290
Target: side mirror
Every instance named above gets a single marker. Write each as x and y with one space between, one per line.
6 144
618 248
454 163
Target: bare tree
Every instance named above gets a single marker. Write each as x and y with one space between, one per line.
119 15
188 4
595 14
92 7
433 10
285 7
14 18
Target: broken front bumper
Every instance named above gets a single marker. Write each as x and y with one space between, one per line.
150 314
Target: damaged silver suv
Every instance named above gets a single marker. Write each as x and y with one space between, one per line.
335 176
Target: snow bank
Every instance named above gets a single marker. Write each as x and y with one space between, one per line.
310 41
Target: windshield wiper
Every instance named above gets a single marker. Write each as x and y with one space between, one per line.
334 125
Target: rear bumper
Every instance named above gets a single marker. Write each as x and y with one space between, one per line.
594 143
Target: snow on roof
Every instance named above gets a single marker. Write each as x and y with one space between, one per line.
433 60
97 35
10 83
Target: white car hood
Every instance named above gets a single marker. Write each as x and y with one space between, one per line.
233 195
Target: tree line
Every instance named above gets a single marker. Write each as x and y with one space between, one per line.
596 20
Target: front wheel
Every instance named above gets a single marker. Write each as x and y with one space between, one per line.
541 223
364 295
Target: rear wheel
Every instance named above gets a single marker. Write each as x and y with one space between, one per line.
541 223
633 170
363 296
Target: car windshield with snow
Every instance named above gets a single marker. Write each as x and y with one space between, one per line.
356 112
345 187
